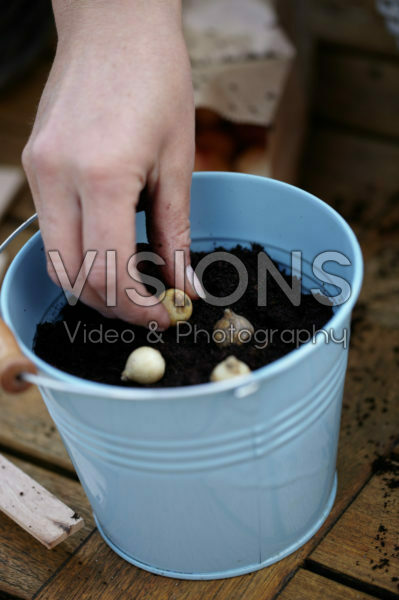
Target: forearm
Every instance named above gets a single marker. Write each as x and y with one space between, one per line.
75 18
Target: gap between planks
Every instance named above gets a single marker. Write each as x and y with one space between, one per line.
39 462
5 596
26 564
351 582
348 580
63 565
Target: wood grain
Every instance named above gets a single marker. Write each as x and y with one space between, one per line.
34 508
26 426
358 90
289 128
308 586
24 563
364 544
350 22
288 134
356 177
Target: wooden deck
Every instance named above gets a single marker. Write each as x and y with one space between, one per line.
355 555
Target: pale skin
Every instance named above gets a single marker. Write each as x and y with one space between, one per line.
117 114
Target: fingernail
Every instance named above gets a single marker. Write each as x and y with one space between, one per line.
195 282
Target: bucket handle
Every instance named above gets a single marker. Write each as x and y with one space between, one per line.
17 231
13 363
49 383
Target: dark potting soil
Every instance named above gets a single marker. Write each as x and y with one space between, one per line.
189 358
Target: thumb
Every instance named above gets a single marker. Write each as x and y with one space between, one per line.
168 226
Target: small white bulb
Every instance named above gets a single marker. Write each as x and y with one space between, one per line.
228 368
144 365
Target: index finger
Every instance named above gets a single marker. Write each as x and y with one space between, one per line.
108 223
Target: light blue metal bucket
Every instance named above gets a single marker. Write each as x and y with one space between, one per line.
219 479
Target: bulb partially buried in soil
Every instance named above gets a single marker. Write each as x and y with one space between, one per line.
178 305
228 368
232 329
144 365
68 338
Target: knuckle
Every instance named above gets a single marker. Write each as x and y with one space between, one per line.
96 170
43 156
97 176
103 177
26 157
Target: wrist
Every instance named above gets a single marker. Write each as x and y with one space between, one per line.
80 17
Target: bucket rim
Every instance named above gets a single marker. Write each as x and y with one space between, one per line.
243 385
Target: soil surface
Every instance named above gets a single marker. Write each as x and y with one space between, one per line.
189 351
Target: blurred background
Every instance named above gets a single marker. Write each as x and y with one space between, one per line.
333 127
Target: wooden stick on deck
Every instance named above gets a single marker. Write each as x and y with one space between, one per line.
34 508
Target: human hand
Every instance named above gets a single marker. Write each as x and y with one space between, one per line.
116 114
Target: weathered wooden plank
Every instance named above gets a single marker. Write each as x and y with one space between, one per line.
288 133
25 565
357 175
98 574
34 508
26 426
351 22
309 586
358 90
287 136
364 543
